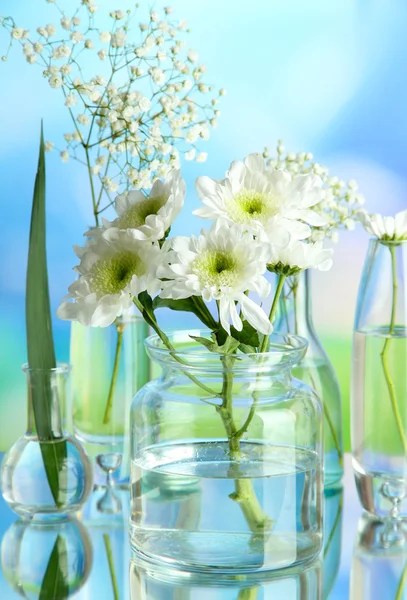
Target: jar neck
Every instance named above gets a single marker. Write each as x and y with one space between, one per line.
46 403
295 306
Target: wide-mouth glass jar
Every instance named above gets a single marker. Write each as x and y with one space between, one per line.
227 459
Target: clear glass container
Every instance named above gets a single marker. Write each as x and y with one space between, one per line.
227 459
379 382
109 365
379 566
147 583
315 369
46 561
47 477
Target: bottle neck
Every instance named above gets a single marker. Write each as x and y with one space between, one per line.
295 306
45 403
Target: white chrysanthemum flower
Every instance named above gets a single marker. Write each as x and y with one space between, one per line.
111 273
385 228
221 264
150 217
297 256
252 195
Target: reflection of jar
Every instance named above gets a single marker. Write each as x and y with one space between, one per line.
226 459
46 472
37 557
147 582
379 567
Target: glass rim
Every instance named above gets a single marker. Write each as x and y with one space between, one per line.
284 347
61 368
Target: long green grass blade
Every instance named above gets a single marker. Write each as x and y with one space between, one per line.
54 586
40 343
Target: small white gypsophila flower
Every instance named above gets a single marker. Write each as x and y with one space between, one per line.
150 217
221 264
48 146
105 37
65 156
201 157
71 100
118 39
66 23
252 196
388 229
77 37
297 256
55 81
341 203
111 273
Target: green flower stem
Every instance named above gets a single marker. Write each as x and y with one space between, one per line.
168 344
265 343
334 528
402 583
249 593
244 493
384 355
112 571
331 426
119 343
92 187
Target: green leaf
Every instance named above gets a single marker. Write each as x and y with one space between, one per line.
247 336
230 345
210 344
54 586
193 304
40 343
148 309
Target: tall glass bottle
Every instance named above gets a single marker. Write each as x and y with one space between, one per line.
315 369
379 381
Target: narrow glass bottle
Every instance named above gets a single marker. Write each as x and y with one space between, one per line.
315 369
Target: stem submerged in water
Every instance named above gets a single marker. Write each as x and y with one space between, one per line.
384 355
119 343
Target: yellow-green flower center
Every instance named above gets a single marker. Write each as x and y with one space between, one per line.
250 205
137 213
216 268
112 275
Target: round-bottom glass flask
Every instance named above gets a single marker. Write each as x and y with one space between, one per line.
226 470
46 473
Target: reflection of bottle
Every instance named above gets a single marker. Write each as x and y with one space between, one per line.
46 560
379 569
147 582
333 504
295 316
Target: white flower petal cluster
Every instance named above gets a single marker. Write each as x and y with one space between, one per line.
390 229
222 264
111 272
297 256
150 217
253 196
342 200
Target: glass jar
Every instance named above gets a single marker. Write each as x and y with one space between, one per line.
295 316
226 470
109 365
379 382
46 476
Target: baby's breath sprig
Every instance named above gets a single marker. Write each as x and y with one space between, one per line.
342 201
138 105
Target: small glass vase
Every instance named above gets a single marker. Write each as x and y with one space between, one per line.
379 382
46 560
226 459
295 316
109 365
49 477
